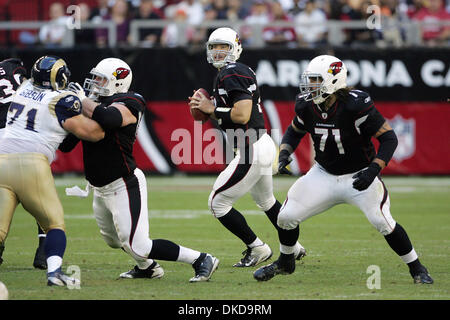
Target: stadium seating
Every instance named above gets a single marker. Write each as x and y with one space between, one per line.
22 10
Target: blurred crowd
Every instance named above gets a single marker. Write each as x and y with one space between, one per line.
248 13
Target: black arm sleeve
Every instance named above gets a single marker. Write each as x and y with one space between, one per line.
69 143
292 137
388 144
108 118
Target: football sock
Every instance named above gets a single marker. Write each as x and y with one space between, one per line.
287 238
55 245
256 243
399 241
287 249
188 255
164 250
235 222
272 213
41 235
53 263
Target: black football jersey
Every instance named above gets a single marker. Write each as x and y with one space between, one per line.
11 74
112 157
231 80
342 134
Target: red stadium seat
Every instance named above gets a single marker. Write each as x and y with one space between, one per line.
3 17
22 10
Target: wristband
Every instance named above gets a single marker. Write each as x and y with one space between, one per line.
224 114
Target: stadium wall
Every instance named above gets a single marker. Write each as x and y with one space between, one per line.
409 86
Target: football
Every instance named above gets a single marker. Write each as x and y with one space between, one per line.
3 291
197 114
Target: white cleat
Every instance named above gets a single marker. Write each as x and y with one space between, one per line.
60 279
254 256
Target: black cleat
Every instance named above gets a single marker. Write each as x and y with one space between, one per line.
40 260
153 271
204 268
422 276
280 266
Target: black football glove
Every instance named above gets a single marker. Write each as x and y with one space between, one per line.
364 178
284 158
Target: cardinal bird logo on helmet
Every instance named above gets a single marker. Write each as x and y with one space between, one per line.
237 40
335 68
121 73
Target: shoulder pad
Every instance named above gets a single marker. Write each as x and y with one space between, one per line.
123 97
300 99
358 101
69 102
358 94
228 69
230 65
300 103
237 67
138 96
12 63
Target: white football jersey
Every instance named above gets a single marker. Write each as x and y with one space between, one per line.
35 118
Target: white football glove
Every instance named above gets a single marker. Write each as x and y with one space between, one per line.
76 88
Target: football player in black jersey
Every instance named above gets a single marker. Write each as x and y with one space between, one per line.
236 107
341 122
12 74
120 188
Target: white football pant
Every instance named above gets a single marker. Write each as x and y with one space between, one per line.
121 212
240 177
319 190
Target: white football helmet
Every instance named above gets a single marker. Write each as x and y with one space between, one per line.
324 75
219 58
109 76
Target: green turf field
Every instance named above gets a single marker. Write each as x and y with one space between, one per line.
341 245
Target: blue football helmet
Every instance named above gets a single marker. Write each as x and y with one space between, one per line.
50 72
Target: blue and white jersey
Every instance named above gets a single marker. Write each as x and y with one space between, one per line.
35 120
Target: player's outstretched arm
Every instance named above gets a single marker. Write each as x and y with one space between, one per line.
113 116
84 128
